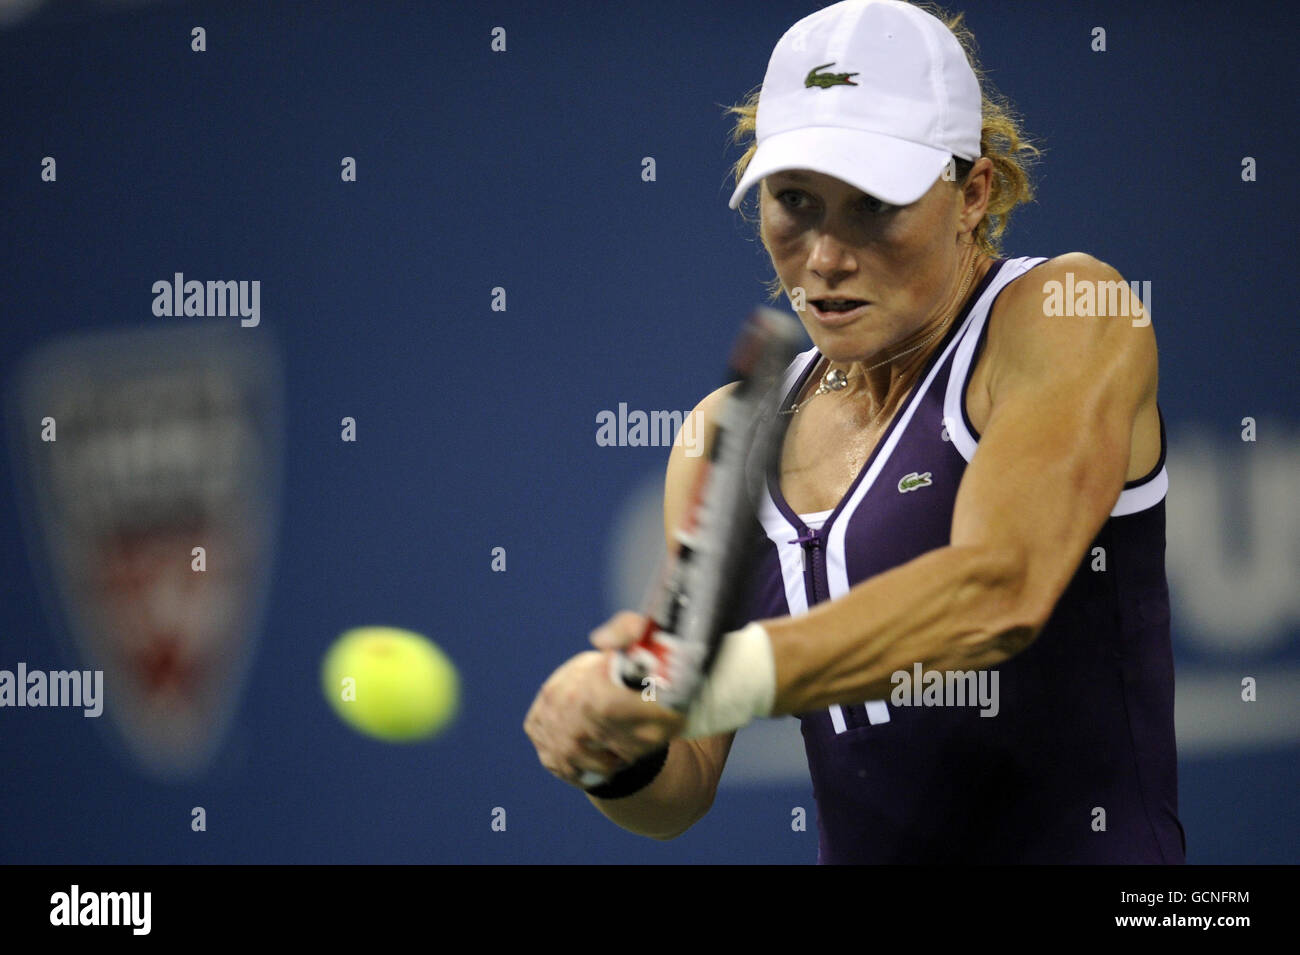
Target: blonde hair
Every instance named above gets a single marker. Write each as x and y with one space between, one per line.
1001 140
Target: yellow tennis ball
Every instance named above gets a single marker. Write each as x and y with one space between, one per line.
392 684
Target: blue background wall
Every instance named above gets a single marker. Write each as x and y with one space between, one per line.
476 428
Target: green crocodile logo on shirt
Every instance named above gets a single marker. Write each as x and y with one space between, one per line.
827 80
910 482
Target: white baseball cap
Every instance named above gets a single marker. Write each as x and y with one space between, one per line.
877 93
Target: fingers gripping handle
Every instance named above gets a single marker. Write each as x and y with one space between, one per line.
644 667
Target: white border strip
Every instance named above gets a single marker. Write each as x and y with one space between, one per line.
953 419
1148 494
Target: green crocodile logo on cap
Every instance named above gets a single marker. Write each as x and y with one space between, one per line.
827 80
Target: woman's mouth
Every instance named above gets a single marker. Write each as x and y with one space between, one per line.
837 311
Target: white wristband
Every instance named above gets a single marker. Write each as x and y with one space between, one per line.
741 686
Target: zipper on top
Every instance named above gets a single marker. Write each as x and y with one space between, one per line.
814 565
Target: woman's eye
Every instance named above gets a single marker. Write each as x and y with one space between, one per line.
790 197
875 206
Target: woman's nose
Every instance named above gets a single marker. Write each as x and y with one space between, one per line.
829 255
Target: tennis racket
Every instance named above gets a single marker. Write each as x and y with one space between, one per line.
703 577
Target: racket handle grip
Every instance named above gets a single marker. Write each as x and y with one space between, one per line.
634 665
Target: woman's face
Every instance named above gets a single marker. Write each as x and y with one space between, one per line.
835 241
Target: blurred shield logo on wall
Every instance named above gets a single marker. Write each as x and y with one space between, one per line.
151 465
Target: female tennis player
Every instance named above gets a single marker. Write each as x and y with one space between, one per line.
962 595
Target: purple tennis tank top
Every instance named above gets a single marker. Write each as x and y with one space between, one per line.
1083 735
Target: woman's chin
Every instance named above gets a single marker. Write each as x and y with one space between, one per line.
845 349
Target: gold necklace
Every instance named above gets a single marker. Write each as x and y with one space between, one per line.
836 380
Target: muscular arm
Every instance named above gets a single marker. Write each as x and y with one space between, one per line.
684 789
1066 397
